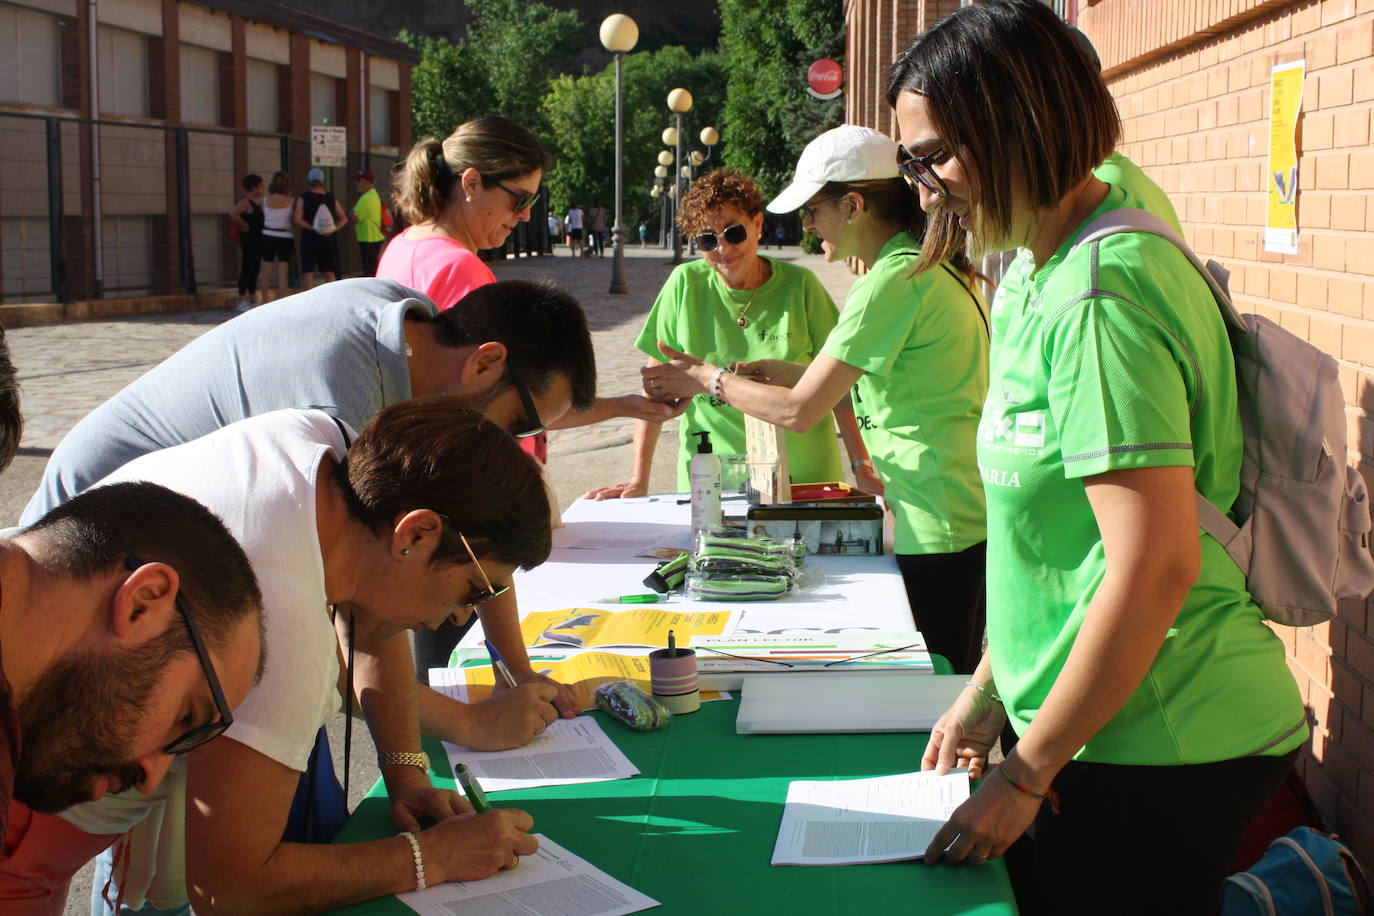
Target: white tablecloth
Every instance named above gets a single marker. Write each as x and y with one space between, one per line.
860 593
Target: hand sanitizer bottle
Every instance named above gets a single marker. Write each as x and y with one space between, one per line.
705 475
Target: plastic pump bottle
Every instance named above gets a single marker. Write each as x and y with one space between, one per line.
705 475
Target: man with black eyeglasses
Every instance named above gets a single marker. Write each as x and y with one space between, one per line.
130 626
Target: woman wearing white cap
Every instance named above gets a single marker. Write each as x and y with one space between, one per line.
916 346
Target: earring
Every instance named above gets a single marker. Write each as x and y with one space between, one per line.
405 551
468 198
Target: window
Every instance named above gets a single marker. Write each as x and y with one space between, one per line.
379 114
30 57
322 99
199 85
208 231
123 72
27 258
126 253
262 96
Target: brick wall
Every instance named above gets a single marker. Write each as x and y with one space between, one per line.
1191 80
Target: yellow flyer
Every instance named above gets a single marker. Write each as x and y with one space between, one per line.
588 627
1281 179
584 671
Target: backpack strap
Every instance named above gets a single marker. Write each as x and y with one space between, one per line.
1130 219
978 307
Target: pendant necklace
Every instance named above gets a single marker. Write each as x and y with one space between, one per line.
744 322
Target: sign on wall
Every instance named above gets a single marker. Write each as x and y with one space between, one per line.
825 79
328 145
1281 177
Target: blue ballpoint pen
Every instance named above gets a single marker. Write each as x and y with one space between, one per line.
499 664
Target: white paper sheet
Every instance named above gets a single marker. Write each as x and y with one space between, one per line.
553 881
866 821
569 751
631 536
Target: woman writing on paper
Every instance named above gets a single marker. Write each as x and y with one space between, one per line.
916 345
734 305
1152 708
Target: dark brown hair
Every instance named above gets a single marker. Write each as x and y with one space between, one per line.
94 532
1015 99
497 147
889 200
723 187
11 417
280 183
440 453
543 327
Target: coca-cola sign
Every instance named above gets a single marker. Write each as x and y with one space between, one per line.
825 79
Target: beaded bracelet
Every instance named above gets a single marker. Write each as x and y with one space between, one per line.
419 859
1049 794
981 689
715 383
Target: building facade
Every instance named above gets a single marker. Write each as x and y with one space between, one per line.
1191 79
128 125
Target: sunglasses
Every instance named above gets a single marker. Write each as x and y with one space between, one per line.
196 736
480 595
523 199
919 170
533 425
735 235
808 211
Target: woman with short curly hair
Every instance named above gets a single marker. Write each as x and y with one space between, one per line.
734 306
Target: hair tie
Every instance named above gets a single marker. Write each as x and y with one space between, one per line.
443 172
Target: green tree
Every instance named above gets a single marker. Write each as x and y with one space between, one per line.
580 113
447 87
500 67
769 116
521 43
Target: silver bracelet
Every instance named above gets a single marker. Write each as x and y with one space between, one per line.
715 383
419 859
981 689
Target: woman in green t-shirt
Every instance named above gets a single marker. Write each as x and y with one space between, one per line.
1150 705
914 349
735 305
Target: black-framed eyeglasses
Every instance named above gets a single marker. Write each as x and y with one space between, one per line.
523 199
533 425
919 170
735 235
203 733
480 595
808 211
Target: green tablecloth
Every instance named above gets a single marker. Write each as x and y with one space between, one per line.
696 830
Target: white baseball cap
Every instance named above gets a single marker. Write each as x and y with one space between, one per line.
846 153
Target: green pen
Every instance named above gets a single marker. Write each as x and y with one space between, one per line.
476 797
632 599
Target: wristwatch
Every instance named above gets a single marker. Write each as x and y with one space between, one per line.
860 462
404 759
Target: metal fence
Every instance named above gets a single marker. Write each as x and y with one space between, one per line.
97 208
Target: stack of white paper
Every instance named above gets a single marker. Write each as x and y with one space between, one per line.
839 703
866 821
552 882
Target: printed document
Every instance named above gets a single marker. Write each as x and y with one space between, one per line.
569 751
553 881
587 627
866 821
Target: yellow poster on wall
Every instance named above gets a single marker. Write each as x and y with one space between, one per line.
1281 179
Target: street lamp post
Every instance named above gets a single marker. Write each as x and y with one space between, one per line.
660 173
619 35
679 102
665 159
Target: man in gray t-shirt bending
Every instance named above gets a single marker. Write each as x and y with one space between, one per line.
349 349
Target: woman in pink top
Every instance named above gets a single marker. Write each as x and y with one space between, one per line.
464 194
